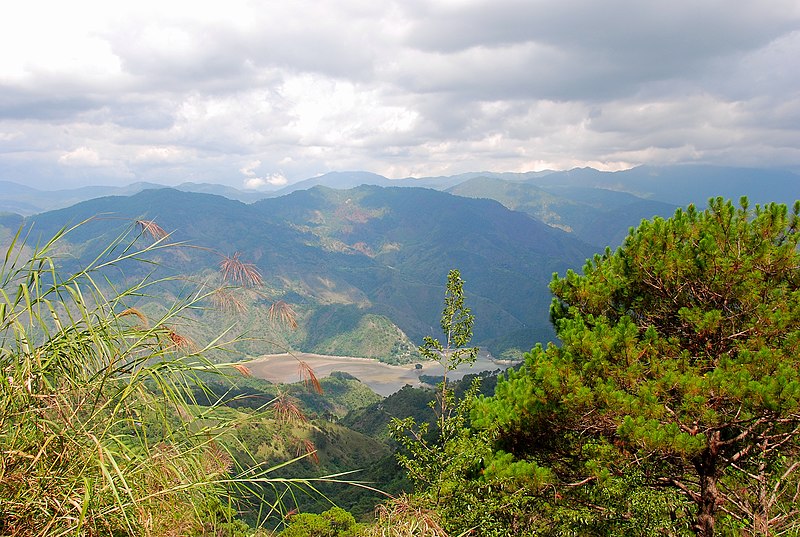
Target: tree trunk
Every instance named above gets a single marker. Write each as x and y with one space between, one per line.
707 506
763 505
707 467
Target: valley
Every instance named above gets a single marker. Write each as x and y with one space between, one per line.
361 259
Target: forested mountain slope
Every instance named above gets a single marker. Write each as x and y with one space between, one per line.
338 256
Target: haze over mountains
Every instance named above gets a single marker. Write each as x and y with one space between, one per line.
676 185
363 259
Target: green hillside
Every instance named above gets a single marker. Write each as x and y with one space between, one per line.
362 269
404 239
598 216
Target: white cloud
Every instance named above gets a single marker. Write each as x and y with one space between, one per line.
250 169
277 179
82 156
254 182
200 91
257 183
160 154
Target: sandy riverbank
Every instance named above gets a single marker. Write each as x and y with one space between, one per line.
384 379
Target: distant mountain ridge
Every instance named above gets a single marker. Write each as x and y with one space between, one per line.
684 184
676 185
375 256
24 200
349 259
345 180
597 216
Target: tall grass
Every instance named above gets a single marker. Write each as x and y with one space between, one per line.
98 431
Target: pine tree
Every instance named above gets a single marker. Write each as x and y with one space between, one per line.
681 349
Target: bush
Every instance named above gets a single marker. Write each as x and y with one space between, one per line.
335 522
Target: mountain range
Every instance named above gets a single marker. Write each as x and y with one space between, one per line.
675 185
340 256
363 259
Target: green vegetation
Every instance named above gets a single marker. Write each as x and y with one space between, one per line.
349 331
443 462
334 522
596 215
456 324
400 241
95 434
670 406
679 361
292 421
339 394
100 433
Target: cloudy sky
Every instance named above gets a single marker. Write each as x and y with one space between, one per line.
253 94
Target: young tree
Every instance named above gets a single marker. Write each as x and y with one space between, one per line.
456 323
681 348
452 467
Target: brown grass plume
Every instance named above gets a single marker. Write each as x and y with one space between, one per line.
236 271
282 312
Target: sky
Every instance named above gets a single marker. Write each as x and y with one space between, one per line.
258 94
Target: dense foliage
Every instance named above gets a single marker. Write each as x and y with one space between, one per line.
680 360
95 435
335 522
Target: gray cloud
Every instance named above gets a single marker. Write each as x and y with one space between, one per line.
585 49
160 93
